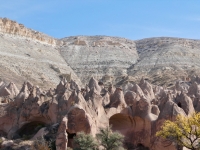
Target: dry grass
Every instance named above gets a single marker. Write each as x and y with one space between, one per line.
40 144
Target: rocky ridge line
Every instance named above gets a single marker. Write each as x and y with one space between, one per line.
12 27
109 59
99 56
29 55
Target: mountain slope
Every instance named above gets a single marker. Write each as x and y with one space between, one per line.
24 57
166 59
98 56
26 54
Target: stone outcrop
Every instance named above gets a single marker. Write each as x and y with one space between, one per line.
59 114
99 56
185 102
12 27
110 66
163 60
23 58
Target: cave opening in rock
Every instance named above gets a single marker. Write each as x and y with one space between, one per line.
179 105
141 147
71 136
70 139
2 133
28 130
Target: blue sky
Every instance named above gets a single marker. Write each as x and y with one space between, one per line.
132 19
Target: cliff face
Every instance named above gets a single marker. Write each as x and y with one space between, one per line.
12 27
160 60
99 56
137 111
166 59
26 54
168 51
29 55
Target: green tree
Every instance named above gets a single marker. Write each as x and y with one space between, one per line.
110 140
184 131
84 141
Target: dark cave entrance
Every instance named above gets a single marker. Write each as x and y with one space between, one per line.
141 147
70 139
179 105
2 133
28 130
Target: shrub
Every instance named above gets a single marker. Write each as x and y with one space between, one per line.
84 141
40 144
110 140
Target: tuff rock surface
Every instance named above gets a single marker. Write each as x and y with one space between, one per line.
137 111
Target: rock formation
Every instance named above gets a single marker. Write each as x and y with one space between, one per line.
163 60
99 56
112 60
112 67
12 27
29 55
65 110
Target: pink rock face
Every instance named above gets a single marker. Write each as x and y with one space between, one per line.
117 99
9 90
78 121
62 136
138 91
62 100
181 86
130 98
138 114
93 85
185 102
127 87
121 122
135 129
193 89
169 108
60 87
13 90
53 111
9 119
143 110
111 89
155 110
147 89
5 92
106 99
74 86
23 94
169 112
